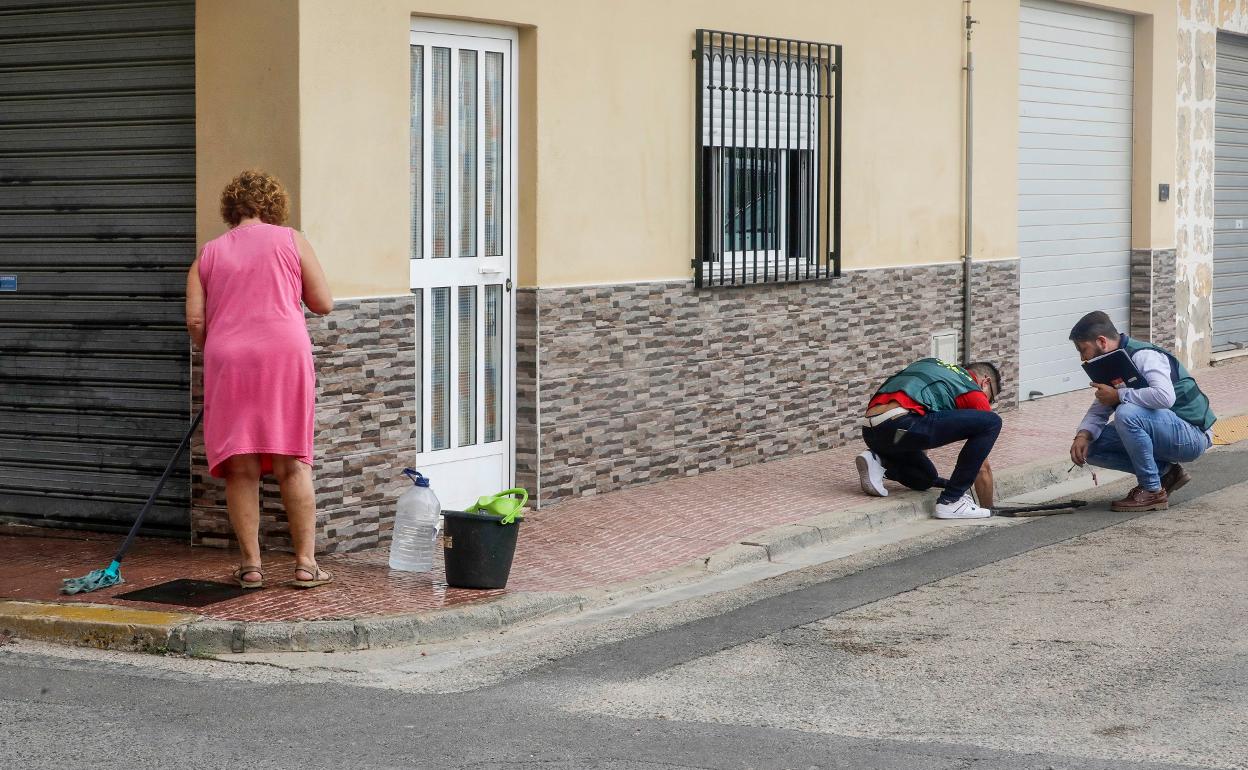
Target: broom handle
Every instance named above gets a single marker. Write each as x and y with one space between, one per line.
134 530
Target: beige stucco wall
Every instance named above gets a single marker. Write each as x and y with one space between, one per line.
606 130
246 99
1199 23
612 162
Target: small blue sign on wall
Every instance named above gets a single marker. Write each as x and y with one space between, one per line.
8 283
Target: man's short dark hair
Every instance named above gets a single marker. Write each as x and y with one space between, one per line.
1093 325
987 371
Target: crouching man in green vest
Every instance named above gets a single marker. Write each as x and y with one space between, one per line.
1154 428
926 405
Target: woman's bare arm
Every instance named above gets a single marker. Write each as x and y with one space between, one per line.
195 306
316 294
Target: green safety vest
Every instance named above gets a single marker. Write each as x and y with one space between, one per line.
1189 402
931 383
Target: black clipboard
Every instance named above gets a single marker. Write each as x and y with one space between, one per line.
1115 368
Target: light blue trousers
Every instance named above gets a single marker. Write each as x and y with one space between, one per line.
1145 441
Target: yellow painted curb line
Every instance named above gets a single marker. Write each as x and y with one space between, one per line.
91 625
1230 430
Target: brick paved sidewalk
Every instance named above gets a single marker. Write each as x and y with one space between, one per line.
584 544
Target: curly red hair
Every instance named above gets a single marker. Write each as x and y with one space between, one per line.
255 193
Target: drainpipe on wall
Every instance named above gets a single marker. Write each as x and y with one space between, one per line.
968 154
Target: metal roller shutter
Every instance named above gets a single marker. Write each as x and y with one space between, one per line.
1074 183
1230 196
97 224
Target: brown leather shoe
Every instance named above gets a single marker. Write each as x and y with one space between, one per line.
1140 499
1175 478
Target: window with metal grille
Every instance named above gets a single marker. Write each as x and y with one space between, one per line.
768 160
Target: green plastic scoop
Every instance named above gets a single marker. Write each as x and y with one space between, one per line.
504 504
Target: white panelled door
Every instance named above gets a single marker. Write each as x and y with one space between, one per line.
463 255
1074 183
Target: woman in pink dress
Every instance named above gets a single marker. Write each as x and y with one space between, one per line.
244 309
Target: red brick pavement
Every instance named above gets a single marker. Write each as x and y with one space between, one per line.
581 544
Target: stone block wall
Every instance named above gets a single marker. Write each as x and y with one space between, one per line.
1153 296
631 384
528 425
1164 295
366 432
1199 24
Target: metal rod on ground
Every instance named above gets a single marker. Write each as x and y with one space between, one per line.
1042 509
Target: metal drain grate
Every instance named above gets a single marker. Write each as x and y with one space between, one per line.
185 593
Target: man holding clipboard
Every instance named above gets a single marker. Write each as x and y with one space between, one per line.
1160 416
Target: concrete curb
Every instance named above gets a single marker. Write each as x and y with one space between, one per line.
90 625
212 637
112 627
881 514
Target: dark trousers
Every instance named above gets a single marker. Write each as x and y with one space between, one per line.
901 445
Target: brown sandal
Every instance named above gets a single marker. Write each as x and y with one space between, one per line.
320 577
245 569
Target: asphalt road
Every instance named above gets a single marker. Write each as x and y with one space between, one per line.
1091 640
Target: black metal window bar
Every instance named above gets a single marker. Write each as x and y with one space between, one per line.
768 160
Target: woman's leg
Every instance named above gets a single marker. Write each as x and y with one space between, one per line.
242 499
299 498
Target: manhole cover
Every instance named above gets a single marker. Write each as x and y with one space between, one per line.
186 593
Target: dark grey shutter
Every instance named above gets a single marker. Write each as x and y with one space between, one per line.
97 225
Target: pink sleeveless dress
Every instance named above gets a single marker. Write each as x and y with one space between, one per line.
259 379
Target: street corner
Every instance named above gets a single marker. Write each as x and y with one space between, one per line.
91 625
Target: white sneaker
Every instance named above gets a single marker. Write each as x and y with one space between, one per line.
963 508
871 474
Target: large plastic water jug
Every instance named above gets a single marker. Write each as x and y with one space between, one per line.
415 526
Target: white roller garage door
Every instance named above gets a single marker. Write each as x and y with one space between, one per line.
1074 183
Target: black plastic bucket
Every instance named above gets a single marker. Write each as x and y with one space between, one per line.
478 550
